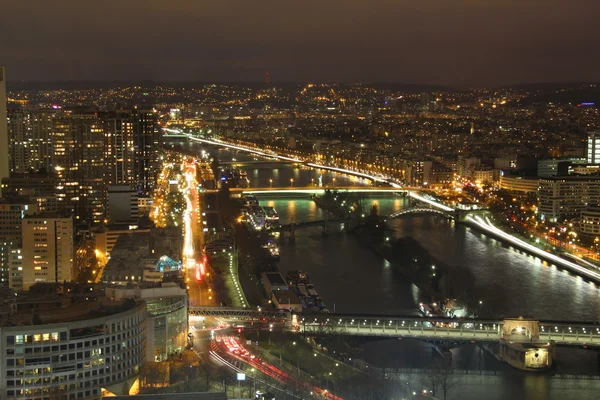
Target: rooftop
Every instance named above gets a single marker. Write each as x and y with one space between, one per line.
53 303
135 252
175 396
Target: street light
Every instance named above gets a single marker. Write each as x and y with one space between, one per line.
270 182
291 181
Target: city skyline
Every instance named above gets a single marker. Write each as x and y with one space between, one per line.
463 43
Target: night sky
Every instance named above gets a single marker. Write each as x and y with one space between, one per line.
411 41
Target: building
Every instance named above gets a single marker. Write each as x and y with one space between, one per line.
145 204
590 220
12 213
465 166
557 166
286 300
136 254
106 237
31 183
47 249
41 124
482 174
18 141
520 184
79 166
147 143
563 198
57 350
593 148
123 204
4 170
417 172
167 316
119 150
273 281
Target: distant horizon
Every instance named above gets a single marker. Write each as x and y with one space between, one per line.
292 82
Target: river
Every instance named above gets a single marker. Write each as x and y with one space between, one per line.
352 278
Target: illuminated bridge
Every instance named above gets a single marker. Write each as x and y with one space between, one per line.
239 313
309 190
517 330
450 329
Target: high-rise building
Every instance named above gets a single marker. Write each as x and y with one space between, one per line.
593 148
47 249
147 145
4 171
122 204
79 166
12 213
18 143
119 150
41 124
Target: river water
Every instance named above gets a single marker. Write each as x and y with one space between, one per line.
351 278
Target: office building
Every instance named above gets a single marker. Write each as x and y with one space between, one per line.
518 184
56 348
18 142
593 148
590 220
557 166
47 249
119 151
167 316
122 205
564 198
41 124
4 170
12 213
147 147
79 166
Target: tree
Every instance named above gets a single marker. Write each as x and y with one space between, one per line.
441 378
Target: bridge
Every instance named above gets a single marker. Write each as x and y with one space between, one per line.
309 190
310 224
420 210
256 162
239 313
451 329
517 330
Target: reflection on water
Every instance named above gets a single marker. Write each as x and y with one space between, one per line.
352 278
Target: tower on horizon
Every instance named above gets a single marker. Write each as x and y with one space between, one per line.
3 128
267 77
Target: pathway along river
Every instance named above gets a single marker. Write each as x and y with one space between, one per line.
353 278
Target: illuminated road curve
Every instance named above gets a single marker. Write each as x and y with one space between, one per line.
281 157
487 227
476 222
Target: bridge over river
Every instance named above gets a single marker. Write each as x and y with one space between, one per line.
527 344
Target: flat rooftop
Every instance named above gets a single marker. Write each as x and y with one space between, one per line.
132 253
173 396
275 278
